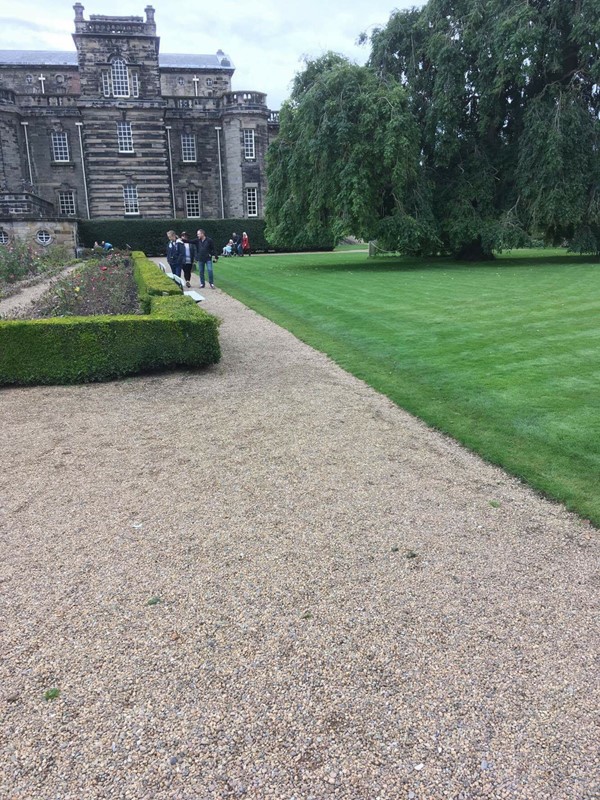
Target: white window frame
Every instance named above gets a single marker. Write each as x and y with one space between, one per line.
131 199
252 201
192 204
188 148
66 204
119 78
43 237
4 237
135 84
60 146
125 137
106 83
249 144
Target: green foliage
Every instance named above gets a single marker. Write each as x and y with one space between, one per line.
506 100
150 235
174 333
20 260
345 162
101 286
150 281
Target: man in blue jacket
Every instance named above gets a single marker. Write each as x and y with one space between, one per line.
205 252
175 253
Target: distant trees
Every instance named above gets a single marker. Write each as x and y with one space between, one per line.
474 124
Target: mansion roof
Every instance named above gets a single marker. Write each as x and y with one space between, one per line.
55 58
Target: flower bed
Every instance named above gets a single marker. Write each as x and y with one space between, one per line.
172 332
103 285
23 263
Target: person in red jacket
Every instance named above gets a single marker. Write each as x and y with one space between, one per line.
245 244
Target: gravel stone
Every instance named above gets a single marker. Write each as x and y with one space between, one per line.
271 502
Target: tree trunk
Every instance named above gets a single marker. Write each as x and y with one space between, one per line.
474 251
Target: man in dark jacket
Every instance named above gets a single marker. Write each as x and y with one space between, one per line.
205 252
175 253
237 244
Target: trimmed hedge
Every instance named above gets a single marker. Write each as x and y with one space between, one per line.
64 350
151 281
150 235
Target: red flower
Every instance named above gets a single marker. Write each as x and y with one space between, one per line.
103 269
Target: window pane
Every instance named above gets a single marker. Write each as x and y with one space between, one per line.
130 199
124 137
60 147
43 236
252 202
249 149
192 203
135 84
66 203
188 147
105 84
120 78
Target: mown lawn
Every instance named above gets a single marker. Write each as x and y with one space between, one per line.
503 356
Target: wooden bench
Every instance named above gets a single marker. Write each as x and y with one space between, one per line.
196 296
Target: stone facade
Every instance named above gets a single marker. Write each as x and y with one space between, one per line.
44 232
118 130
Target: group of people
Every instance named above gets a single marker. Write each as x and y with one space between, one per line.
183 253
238 245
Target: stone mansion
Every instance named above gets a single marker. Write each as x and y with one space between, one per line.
116 129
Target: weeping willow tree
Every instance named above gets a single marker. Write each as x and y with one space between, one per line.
506 95
473 126
346 161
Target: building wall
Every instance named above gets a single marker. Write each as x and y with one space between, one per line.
69 99
62 231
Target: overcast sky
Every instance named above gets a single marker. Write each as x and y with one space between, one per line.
266 39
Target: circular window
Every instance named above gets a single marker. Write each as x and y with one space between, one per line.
59 78
180 81
43 236
209 81
29 79
3 237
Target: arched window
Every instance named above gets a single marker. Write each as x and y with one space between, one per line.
120 78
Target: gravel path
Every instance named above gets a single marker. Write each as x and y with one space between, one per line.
29 294
264 580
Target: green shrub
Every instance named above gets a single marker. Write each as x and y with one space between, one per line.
97 287
150 235
150 280
20 260
65 350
